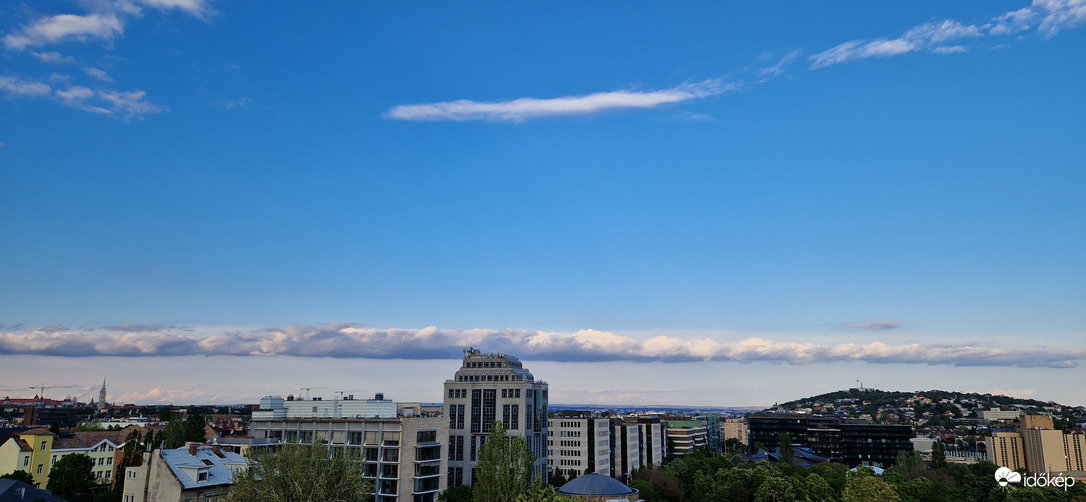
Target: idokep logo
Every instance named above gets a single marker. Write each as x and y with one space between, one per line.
1004 476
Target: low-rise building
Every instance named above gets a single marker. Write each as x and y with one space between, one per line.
195 472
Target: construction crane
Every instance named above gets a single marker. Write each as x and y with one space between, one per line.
307 389
44 386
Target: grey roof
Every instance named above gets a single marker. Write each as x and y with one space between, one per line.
10 492
186 467
595 484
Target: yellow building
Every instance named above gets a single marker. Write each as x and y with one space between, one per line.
1007 451
29 451
37 450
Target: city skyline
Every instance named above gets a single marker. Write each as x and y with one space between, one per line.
713 205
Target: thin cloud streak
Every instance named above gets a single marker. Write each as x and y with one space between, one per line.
351 340
522 109
876 324
1049 17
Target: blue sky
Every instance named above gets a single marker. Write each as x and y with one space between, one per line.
646 195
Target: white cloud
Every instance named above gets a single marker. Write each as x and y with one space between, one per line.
18 87
928 36
949 49
197 8
1048 16
64 27
348 340
98 74
1060 14
521 109
52 57
769 72
1013 22
119 104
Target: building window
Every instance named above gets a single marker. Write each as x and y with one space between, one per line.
40 467
201 476
128 497
426 437
131 474
53 461
43 446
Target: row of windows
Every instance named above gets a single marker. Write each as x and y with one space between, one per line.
566 424
458 393
569 442
489 378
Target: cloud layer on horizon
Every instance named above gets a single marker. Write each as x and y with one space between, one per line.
351 340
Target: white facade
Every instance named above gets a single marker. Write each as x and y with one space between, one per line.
488 388
348 407
579 445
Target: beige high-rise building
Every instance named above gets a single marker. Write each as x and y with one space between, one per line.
1046 451
1027 422
1007 451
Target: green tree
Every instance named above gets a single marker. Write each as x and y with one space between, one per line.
775 490
863 486
460 493
647 493
787 454
540 492
909 461
71 477
296 471
504 470
558 478
23 476
178 431
938 455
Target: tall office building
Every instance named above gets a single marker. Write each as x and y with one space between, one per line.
486 388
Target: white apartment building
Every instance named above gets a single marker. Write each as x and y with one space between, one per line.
578 445
486 388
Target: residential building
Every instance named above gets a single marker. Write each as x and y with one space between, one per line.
402 456
734 428
17 491
996 414
194 472
29 451
578 443
486 388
